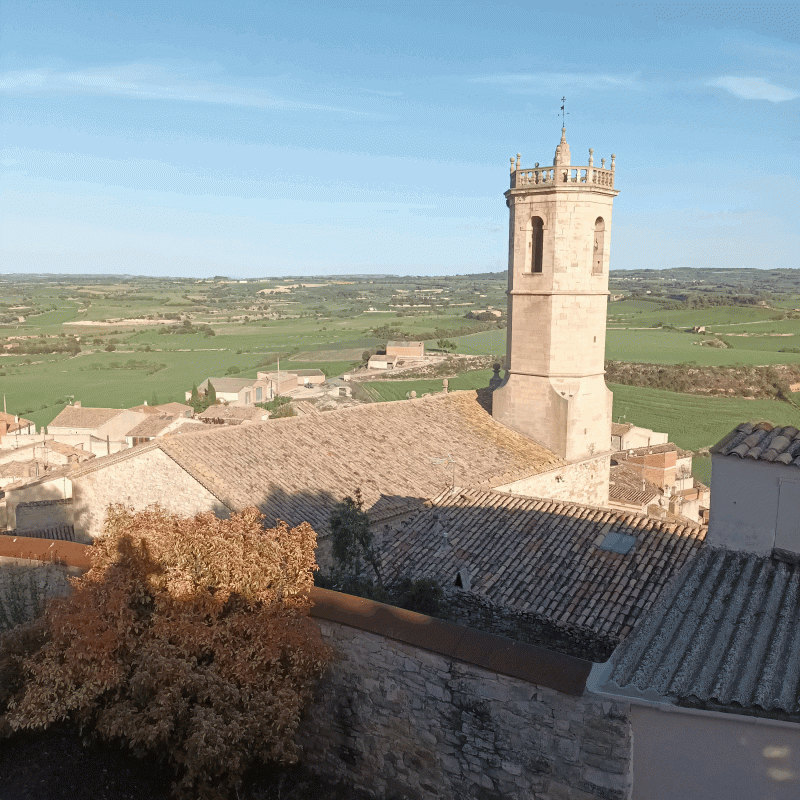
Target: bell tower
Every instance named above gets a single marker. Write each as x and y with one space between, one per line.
554 389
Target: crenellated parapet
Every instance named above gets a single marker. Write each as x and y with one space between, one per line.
548 177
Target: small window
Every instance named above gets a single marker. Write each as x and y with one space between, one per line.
247 398
536 244
258 394
599 246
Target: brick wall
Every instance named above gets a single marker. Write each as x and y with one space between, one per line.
401 721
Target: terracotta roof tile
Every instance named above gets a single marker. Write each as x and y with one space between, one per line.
762 442
297 468
80 417
541 555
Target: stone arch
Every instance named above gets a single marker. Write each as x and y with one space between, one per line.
536 244
599 246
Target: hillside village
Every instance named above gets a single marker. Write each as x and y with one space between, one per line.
592 583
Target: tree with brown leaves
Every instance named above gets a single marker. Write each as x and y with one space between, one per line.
189 638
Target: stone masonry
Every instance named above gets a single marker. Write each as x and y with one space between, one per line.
402 722
151 477
559 243
584 481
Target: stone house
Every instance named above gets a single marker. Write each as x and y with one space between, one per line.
629 437
238 391
279 383
233 415
98 430
566 563
293 469
157 425
406 349
13 424
720 648
382 362
655 478
308 377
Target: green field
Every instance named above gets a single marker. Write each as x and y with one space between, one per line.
399 390
693 421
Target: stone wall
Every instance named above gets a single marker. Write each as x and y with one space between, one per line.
402 721
42 514
583 481
151 477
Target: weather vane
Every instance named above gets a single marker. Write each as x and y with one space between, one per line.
563 113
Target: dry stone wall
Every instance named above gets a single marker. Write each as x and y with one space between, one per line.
403 722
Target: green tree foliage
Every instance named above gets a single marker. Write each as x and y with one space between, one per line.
211 394
353 546
195 393
189 638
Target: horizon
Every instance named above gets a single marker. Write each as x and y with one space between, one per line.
305 141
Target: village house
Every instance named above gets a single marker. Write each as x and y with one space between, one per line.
98 430
233 415
720 648
238 391
406 349
384 361
566 563
308 377
658 478
629 437
14 425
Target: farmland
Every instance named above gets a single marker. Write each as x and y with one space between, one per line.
120 341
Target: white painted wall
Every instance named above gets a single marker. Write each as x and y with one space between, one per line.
679 756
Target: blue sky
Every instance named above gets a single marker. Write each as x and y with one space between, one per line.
257 139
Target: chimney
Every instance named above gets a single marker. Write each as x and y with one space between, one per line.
77 404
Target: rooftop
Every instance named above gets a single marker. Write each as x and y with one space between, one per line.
762 442
563 561
297 468
226 385
152 426
84 417
240 413
724 634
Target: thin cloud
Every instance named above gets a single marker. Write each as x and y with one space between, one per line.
150 82
547 82
754 89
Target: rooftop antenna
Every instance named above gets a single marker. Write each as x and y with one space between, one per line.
563 112
448 460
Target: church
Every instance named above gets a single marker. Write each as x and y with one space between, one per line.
535 446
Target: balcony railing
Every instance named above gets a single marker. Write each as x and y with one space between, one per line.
544 177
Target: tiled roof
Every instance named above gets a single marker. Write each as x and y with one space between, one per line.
234 385
66 449
725 632
306 373
251 413
84 417
762 442
297 468
11 421
618 429
542 556
651 449
627 486
176 409
152 426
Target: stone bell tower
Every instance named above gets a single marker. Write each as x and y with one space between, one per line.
559 240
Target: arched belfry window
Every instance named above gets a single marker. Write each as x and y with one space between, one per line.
599 246
537 239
